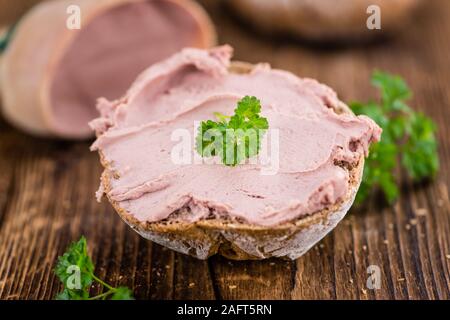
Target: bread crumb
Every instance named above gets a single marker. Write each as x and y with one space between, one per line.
231 287
192 284
321 246
351 280
421 212
407 226
447 256
391 226
364 291
385 241
413 221
401 279
364 247
272 263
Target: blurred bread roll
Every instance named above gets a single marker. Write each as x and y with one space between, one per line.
324 19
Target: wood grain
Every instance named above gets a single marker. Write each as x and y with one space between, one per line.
47 194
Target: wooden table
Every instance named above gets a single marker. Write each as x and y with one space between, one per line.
47 195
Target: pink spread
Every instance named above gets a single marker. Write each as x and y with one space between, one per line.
134 136
110 51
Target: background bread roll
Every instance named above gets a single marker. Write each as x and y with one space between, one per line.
335 20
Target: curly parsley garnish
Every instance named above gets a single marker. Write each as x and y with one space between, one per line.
233 138
76 271
408 137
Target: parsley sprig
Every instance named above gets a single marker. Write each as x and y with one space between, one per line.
408 138
76 271
233 138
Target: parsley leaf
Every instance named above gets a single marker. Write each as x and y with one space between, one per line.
408 136
233 138
76 256
76 271
122 293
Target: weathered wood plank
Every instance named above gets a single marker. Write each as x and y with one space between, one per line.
192 279
12 10
47 188
269 279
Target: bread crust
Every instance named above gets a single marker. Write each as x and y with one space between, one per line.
239 240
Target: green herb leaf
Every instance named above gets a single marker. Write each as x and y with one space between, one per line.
393 90
122 293
76 271
407 135
233 138
76 260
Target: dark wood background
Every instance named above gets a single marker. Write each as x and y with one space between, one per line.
47 194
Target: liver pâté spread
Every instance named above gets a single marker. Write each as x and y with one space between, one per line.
134 138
